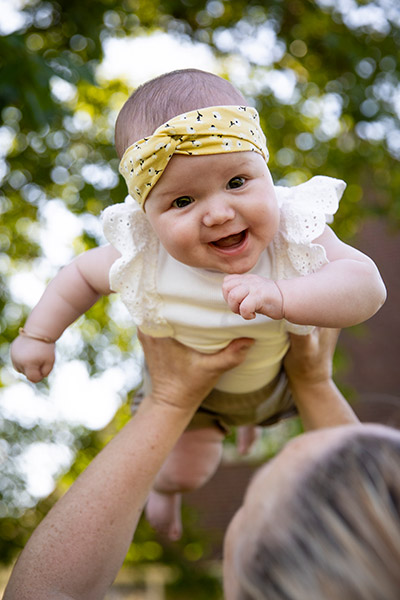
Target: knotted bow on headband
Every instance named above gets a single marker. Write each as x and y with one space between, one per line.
212 130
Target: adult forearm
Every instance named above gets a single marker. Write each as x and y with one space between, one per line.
79 547
321 405
308 365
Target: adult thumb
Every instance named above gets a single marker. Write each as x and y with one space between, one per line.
234 354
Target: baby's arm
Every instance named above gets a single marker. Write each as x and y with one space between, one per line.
344 292
71 293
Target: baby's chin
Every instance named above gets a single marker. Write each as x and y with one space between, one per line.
236 269
239 270
227 265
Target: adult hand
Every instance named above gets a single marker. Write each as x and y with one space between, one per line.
182 376
309 358
308 365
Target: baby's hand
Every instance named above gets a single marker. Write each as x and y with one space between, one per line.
33 358
247 295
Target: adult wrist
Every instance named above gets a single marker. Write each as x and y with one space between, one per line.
316 384
168 410
176 397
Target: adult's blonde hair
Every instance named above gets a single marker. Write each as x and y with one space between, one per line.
166 96
341 540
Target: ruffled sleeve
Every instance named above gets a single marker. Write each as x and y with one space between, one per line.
304 211
133 275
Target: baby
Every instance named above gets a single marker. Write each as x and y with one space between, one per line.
206 249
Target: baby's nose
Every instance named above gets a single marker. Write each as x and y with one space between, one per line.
219 211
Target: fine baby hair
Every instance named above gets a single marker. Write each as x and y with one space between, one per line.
166 96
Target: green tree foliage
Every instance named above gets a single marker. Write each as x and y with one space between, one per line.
324 76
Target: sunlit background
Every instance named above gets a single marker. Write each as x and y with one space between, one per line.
325 78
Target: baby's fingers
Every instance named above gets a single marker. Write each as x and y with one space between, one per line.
235 296
248 307
231 282
47 367
33 373
36 371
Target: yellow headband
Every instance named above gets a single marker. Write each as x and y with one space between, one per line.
213 130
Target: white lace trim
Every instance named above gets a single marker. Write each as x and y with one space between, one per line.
304 211
134 274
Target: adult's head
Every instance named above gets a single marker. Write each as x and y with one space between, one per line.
321 521
166 96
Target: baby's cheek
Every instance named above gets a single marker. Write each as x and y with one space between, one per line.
180 246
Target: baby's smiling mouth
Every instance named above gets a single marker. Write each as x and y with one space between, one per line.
231 241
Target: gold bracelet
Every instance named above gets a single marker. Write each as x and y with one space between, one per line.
33 336
283 301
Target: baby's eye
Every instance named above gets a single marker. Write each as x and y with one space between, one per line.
236 182
182 202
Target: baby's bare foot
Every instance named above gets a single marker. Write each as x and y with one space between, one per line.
163 511
246 436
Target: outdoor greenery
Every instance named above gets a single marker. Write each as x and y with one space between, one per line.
325 77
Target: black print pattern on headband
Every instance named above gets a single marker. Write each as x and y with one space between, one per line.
192 133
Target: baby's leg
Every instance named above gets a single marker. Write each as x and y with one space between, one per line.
246 435
192 462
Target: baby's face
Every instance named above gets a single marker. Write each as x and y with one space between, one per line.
217 212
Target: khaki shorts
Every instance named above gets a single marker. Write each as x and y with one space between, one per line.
224 410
